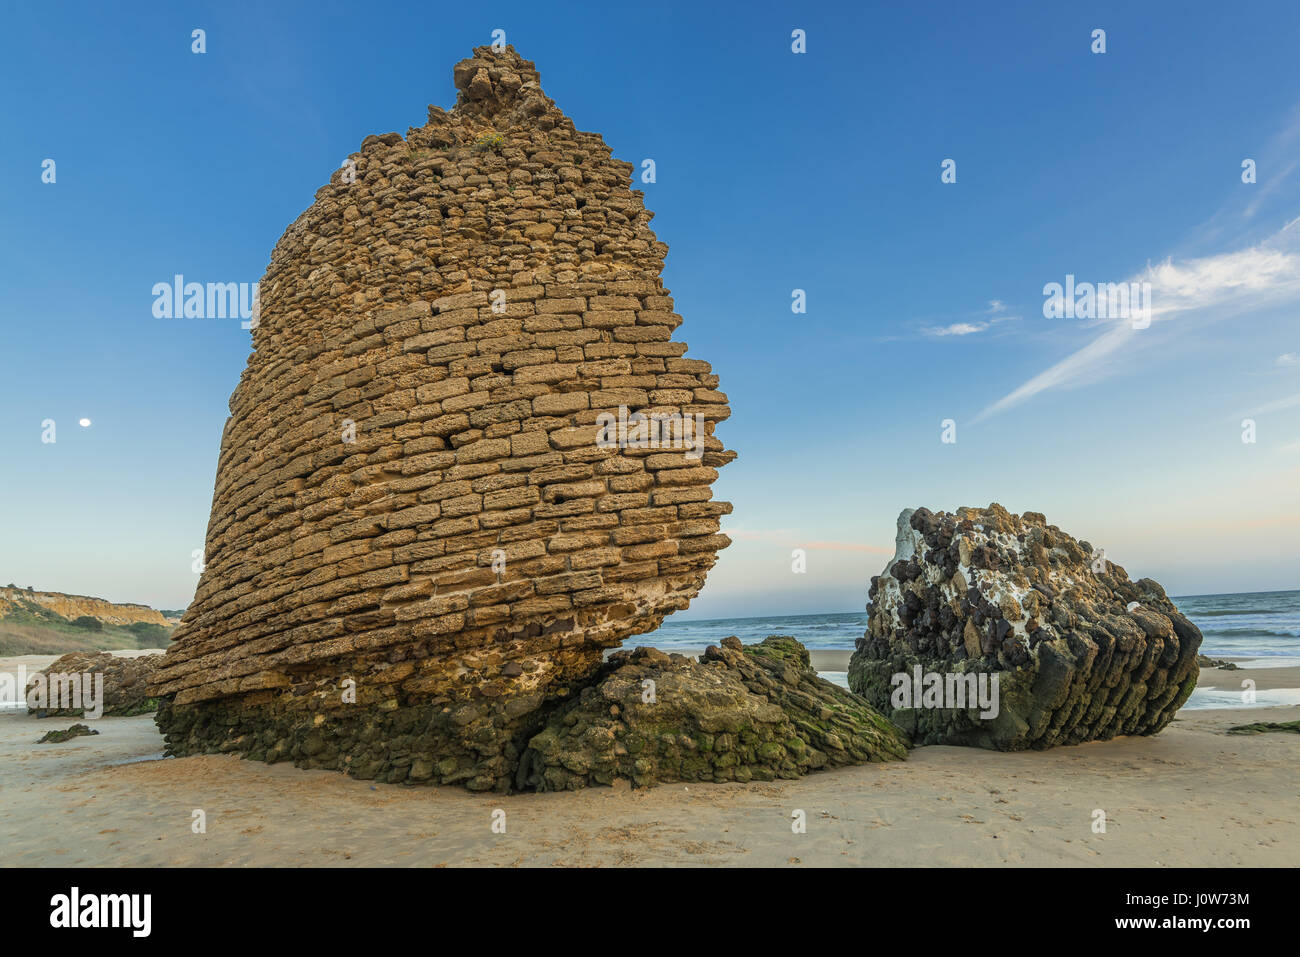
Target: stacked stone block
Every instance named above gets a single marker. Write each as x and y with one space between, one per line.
418 546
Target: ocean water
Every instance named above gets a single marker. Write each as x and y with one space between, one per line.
1257 625
1263 627
835 631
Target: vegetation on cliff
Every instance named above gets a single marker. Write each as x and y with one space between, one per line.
30 628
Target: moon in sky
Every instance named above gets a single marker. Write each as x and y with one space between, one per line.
84 423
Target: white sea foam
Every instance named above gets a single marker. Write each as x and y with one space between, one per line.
1211 697
1252 663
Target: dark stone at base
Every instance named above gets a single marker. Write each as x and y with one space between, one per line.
756 714
475 743
741 713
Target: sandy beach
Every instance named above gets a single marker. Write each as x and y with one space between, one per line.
1192 795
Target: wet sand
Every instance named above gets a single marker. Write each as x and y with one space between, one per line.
1192 795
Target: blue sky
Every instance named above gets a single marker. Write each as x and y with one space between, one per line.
775 171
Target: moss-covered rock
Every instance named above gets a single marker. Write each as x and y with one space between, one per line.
67 734
741 713
1261 727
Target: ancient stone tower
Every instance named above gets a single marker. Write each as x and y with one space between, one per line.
466 456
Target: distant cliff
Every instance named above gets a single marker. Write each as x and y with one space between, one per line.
39 622
72 607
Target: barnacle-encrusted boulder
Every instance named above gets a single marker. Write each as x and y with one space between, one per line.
1079 651
125 683
741 713
466 456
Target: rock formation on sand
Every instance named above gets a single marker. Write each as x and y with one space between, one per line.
126 682
67 734
1206 662
1079 651
429 520
741 713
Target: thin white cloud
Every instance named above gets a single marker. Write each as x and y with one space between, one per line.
1214 280
1267 186
958 329
1276 405
1275 163
1257 274
1288 359
991 317
1065 371
1250 277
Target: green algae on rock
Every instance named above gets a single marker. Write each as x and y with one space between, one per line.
1080 653
67 734
740 713
1261 727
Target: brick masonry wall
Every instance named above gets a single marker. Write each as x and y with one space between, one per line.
410 492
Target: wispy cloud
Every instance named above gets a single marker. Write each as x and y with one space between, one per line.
1067 370
1260 272
979 322
1275 165
1265 273
1268 187
1277 405
958 329
1264 269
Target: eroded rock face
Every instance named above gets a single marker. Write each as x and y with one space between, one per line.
423 492
126 682
741 713
1079 651
72 607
